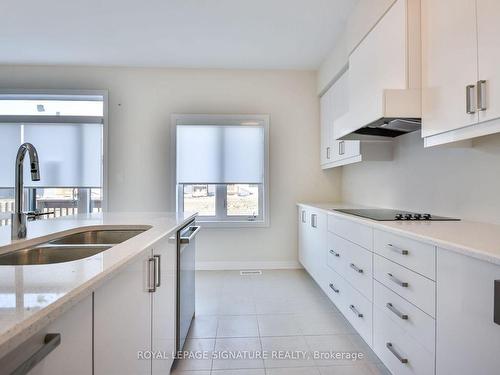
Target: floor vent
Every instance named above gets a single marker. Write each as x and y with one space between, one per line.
250 273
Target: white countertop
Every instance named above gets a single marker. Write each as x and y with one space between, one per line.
477 240
33 296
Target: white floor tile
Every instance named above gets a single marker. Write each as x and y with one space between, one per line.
346 370
235 346
238 326
177 372
197 347
323 323
260 371
278 325
293 371
281 347
203 327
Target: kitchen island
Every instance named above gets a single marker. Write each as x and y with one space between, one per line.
38 296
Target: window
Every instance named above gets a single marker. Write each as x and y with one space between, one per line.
68 132
222 168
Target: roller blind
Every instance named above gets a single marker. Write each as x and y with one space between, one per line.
10 140
220 154
70 155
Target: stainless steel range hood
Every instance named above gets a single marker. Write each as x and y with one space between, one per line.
386 128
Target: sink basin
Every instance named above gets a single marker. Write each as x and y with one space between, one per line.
71 247
47 254
98 237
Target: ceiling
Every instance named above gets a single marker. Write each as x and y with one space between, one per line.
253 34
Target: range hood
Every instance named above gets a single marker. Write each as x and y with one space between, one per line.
400 114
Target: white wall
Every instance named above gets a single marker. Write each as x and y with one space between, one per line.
140 104
461 182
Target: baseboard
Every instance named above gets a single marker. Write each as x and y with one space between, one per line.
230 266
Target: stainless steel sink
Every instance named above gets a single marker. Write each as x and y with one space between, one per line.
98 237
47 254
71 247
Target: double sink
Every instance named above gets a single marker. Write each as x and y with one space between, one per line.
70 247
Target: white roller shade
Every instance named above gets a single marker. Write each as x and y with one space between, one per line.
70 155
213 154
10 140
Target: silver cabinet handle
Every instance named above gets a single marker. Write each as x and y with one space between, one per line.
469 92
303 216
341 147
314 222
328 152
355 311
397 281
335 253
152 275
355 268
398 313
397 249
332 287
481 93
50 342
396 354
194 231
157 270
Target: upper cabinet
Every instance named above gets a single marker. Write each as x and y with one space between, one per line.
460 75
385 72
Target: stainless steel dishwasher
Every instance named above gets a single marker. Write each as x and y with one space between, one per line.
186 252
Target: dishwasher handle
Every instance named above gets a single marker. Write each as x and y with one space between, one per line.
194 231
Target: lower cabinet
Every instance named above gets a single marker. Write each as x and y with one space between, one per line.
468 339
134 315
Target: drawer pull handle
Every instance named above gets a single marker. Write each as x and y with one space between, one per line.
50 342
398 313
355 268
397 281
334 253
396 249
332 287
396 354
355 311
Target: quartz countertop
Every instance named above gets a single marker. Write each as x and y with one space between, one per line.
474 239
33 296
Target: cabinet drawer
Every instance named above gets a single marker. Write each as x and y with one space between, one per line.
359 311
386 332
335 288
335 256
354 232
354 263
413 287
417 256
414 321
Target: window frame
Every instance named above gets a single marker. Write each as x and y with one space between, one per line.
221 219
68 94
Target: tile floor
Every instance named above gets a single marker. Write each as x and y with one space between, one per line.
282 310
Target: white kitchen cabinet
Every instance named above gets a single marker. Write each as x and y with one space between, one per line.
468 339
122 321
135 312
488 16
461 81
164 304
449 56
73 355
334 105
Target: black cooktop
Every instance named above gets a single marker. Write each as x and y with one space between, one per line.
380 214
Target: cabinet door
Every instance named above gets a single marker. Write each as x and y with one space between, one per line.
74 353
317 245
164 304
122 321
326 125
467 337
449 64
302 229
488 16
